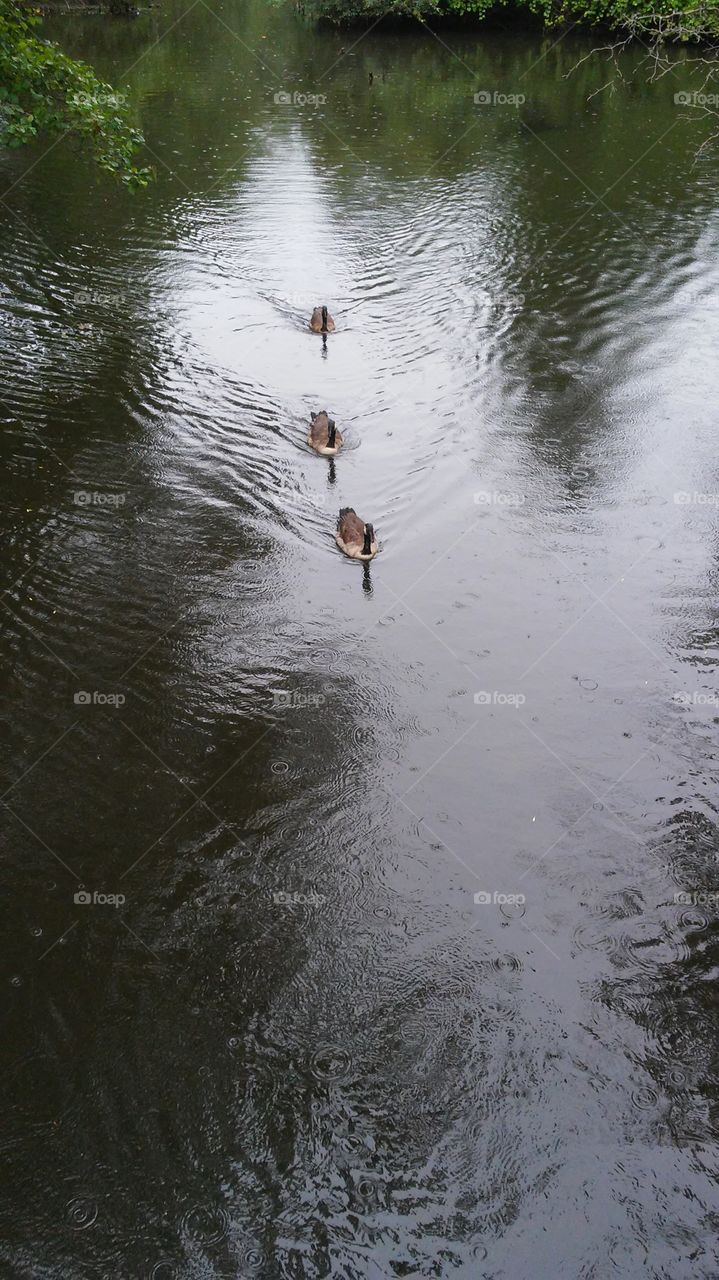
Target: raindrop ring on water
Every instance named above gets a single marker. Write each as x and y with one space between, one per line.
163 1270
507 961
512 910
694 921
330 1063
206 1223
80 1213
644 1098
252 1260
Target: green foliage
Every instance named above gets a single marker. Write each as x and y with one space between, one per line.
43 91
656 19
676 20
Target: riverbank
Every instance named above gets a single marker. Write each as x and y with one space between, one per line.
663 22
114 8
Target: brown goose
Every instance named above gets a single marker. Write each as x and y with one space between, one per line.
354 537
324 437
321 321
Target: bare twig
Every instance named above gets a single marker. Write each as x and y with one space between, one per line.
659 34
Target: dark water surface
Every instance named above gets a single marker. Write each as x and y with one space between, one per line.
300 1048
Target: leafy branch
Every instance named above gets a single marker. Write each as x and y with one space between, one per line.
44 91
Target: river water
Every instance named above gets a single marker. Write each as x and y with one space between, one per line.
301 1047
